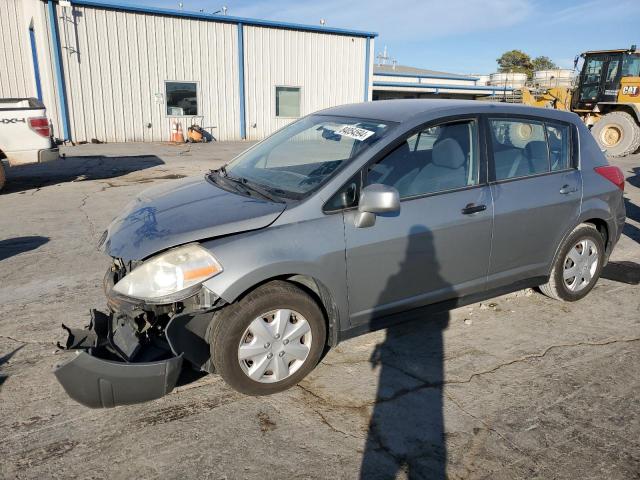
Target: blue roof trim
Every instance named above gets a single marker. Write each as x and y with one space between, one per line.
221 18
443 86
426 75
57 65
243 122
366 70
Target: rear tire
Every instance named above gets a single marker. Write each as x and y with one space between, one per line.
235 333
617 133
575 271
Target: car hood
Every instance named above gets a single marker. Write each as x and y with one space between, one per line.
183 211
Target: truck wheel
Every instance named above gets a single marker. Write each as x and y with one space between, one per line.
577 266
269 340
518 134
3 177
617 133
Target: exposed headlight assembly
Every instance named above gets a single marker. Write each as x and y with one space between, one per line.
171 276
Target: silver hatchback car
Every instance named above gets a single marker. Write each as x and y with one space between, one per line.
337 225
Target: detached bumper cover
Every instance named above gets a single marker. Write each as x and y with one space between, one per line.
98 383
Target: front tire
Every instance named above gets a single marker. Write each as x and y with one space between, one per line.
269 340
577 266
617 133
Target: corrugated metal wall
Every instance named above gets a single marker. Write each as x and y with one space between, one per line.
116 64
330 70
16 71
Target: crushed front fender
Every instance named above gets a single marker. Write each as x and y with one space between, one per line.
99 383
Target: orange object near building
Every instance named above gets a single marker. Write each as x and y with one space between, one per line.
195 134
177 135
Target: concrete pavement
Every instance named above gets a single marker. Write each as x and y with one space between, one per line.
517 387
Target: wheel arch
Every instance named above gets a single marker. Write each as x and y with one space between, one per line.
632 109
316 289
598 220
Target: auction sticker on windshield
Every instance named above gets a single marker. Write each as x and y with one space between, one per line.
354 132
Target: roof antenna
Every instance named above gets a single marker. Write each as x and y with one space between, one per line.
382 57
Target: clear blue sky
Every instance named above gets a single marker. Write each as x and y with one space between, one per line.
460 36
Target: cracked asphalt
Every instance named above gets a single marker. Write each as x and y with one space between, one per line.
517 387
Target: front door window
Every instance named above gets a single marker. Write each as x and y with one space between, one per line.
444 157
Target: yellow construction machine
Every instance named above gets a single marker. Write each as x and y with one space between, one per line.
606 96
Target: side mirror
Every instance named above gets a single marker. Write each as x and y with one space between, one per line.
374 200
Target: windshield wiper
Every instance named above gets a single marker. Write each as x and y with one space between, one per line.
261 190
249 187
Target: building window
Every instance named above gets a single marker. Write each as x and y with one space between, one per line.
182 98
288 102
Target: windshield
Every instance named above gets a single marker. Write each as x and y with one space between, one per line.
302 156
631 66
591 77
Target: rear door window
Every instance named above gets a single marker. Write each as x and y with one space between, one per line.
519 148
559 151
523 147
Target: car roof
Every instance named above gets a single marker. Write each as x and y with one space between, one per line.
402 110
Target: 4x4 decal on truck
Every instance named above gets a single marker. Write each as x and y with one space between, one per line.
12 120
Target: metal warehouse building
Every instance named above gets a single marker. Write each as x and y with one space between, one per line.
399 81
120 73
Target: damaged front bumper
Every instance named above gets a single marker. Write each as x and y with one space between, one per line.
104 374
99 383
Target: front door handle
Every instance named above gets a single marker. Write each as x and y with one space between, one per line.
473 208
566 189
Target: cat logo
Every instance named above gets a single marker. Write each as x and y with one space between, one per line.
631 90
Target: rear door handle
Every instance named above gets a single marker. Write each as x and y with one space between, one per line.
566 189
473 208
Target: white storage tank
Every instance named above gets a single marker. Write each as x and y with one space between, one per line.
560 77
510 79
482 79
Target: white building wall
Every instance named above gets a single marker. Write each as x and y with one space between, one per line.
16 68
116 64
17 73
330 69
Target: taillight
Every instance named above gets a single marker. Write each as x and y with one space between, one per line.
613 174
40 125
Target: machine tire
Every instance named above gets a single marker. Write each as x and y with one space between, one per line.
518 134
231 323
556 287
3 176
627 127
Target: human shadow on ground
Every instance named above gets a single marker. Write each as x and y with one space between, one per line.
406 430
14 246
75 169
